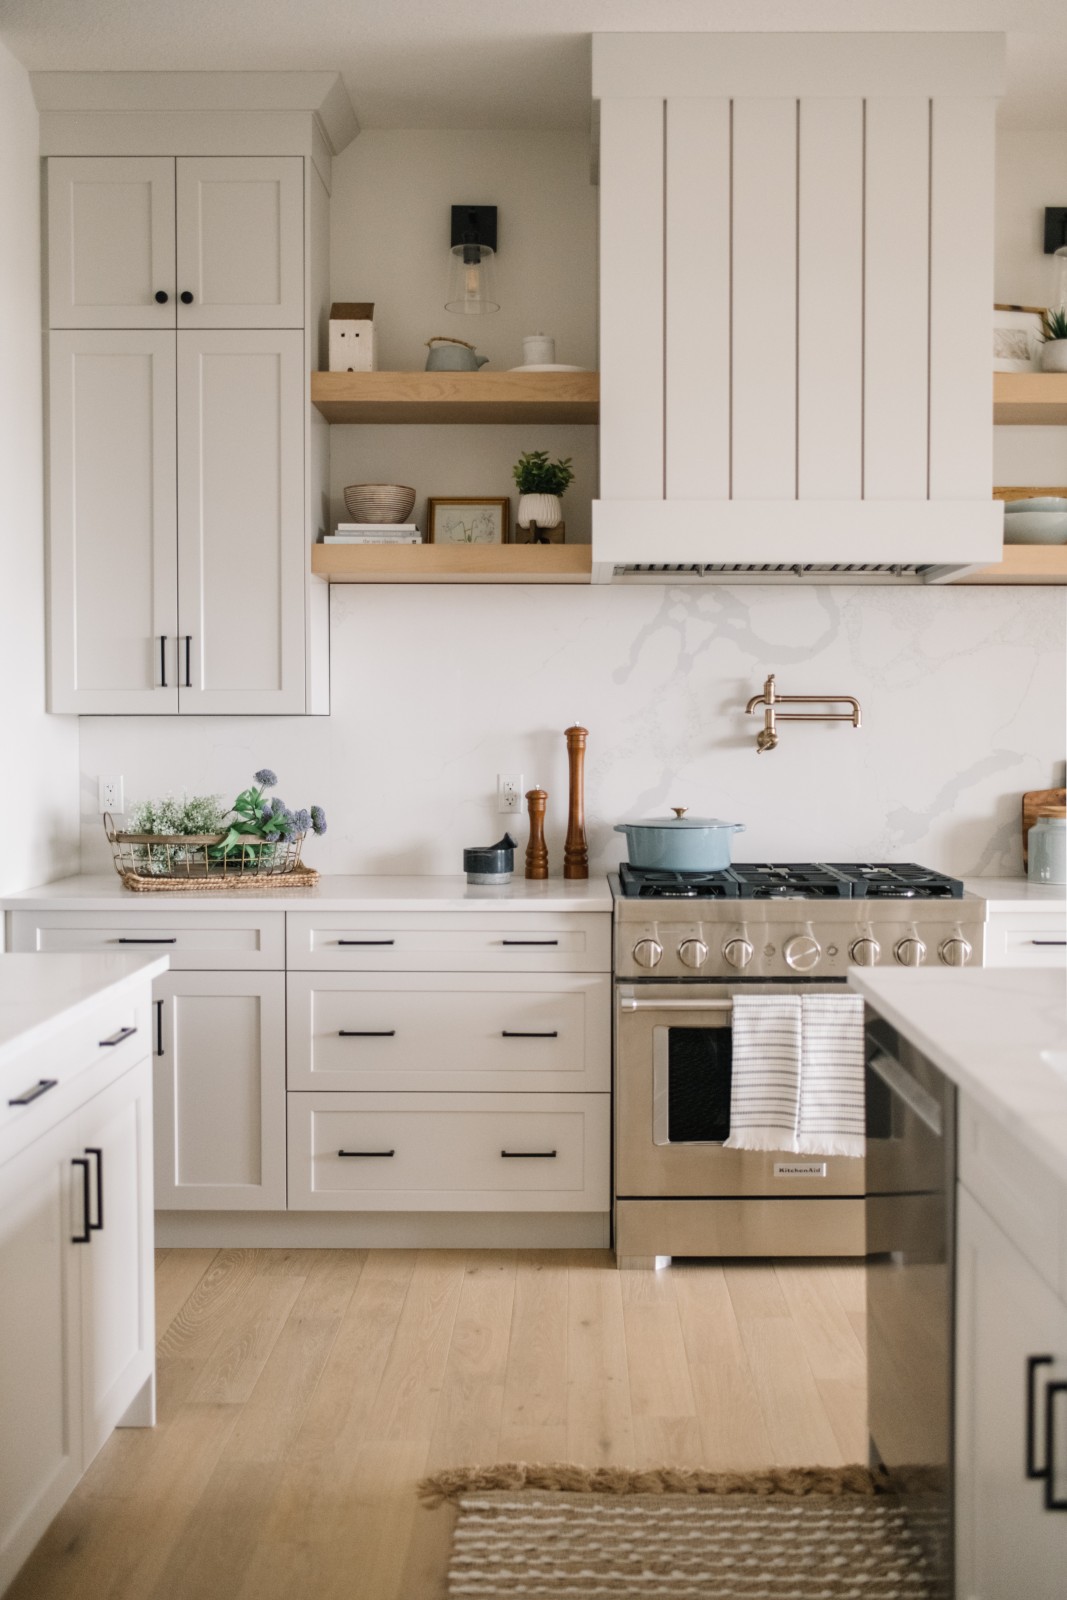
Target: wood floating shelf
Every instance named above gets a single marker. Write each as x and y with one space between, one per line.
453 563
501 397
1025 564
1030 399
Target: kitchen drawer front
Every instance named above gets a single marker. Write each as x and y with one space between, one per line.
447 1152
1026 939
483 1031
1018 1192
443 942
112 1037
201 940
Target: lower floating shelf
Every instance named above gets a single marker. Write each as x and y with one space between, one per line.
1025 563
453 563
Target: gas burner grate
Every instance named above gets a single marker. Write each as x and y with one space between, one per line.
791 881
881 881
647 883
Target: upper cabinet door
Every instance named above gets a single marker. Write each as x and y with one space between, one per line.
240 242
241 553
113 567
111 242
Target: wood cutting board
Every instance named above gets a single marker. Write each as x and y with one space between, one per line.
1031 802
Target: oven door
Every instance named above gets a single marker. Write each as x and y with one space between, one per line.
673 1057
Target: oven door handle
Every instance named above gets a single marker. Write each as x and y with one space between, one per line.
901 1083
629 1002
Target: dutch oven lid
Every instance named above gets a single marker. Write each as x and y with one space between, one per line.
681 819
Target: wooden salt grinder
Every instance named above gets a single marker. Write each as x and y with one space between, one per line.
576 850
537 850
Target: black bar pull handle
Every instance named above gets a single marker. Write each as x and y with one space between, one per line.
528 1155
84 1236
1057 942
366 1033
530 941
163 661
172 940
1033 1467
188 684
1052 1502
117 1038
511 1033
98 1225
366 1155
366 941
28 1096
159 1027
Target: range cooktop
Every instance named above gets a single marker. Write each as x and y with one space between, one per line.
752 880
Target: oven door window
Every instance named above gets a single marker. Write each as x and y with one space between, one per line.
691 1069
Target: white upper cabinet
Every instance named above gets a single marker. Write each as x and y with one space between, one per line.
191 242
793 231
240 242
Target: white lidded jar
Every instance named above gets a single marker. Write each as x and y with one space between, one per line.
1047 846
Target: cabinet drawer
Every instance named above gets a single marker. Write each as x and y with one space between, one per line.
1026 940
448 1152
483 1031
1018 1192
236 941
440 942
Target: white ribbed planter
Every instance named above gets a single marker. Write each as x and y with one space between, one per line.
544 509
1054 355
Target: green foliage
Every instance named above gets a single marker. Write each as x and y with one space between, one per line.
1055 325
253 823
535 474
198 813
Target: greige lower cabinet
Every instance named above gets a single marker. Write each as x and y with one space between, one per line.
220 1091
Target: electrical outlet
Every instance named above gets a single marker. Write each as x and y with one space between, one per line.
509 793
111 796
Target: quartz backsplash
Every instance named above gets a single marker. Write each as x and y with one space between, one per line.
436 690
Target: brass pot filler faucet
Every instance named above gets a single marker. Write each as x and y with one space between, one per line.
770 699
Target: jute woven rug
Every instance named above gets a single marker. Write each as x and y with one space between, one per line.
564 1533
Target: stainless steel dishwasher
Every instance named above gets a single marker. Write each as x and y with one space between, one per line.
911 1217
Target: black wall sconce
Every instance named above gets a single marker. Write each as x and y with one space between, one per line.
471 255
1056 246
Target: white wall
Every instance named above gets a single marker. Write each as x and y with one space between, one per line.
392 194
39 760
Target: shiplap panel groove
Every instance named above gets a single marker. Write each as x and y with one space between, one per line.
764 299
697 290
830 300
631 299
896 300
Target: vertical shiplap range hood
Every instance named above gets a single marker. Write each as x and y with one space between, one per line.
796 256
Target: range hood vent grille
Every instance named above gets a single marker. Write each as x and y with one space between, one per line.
823 571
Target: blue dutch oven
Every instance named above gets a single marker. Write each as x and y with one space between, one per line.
680 843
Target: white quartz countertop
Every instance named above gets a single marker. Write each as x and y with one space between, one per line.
104 892
1018 894
992 1030
42 994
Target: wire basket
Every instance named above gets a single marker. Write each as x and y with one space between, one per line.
194 861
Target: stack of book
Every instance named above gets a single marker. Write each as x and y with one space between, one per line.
375 533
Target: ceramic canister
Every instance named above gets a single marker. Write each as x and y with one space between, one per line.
1046 859
538 350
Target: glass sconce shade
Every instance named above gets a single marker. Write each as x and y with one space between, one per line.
1059 282
470 280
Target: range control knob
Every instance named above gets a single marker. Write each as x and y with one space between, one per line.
738 952
802 952
692 952
955 952
865 952
910 952
648 952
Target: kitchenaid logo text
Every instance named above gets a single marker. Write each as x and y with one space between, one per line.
800 1169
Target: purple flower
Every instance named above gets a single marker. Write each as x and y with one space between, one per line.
277 807
265 778
301 821
318 819
270 837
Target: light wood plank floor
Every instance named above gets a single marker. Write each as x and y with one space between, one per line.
303 1393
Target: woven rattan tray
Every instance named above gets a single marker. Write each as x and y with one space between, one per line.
300 877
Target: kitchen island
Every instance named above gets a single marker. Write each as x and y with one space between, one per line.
1001 1037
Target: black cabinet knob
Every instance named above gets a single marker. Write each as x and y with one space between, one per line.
186 298
162 297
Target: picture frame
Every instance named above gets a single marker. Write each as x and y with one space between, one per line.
468 519
1017 338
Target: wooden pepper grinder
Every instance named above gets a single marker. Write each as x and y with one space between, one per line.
537 850
575 849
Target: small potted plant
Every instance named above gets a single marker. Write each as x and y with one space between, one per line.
540 484
1054 350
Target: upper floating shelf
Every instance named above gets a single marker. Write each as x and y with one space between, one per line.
1030 399
502 397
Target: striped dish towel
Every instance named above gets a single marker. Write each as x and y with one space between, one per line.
765 1081
831 1117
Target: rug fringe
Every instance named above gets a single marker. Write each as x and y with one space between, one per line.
515 1475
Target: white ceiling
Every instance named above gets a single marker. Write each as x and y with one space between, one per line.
491 63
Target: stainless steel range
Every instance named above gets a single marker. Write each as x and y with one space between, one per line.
685 945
